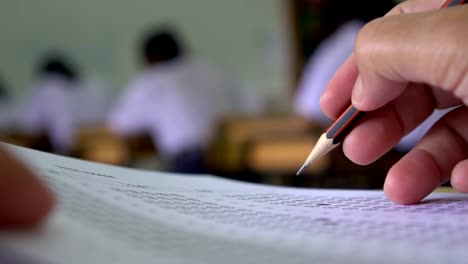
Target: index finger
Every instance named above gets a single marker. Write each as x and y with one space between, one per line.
337 95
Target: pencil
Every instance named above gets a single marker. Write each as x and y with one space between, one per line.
334 135
344 123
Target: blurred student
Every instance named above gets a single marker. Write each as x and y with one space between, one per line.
63 101
341 22
177 99
49 108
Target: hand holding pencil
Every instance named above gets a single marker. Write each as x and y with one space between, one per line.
410 62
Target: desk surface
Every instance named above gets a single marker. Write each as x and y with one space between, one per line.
445 189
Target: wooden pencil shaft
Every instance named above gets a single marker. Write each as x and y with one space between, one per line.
450 3
344 124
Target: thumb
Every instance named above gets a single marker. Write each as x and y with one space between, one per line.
24 200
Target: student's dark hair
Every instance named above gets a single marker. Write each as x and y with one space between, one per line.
161 45
59 65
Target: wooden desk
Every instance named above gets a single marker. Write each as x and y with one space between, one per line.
229 150
445 189
284 155
99 144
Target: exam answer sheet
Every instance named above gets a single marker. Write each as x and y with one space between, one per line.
108 214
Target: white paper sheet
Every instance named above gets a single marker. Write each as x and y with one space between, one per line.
108 214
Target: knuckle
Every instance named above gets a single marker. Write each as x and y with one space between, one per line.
365 38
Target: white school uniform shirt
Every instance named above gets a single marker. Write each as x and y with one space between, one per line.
178 103
50 109
59 108
330 54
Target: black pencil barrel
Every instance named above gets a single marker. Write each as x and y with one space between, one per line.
344 124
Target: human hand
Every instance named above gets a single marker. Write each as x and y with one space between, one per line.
405 65
24 201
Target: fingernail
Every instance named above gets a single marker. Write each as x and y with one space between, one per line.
358 92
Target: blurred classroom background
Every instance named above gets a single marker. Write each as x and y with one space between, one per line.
263 47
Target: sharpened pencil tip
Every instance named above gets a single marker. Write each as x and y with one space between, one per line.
301 169
323 146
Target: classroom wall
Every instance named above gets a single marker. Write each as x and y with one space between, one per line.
248 37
